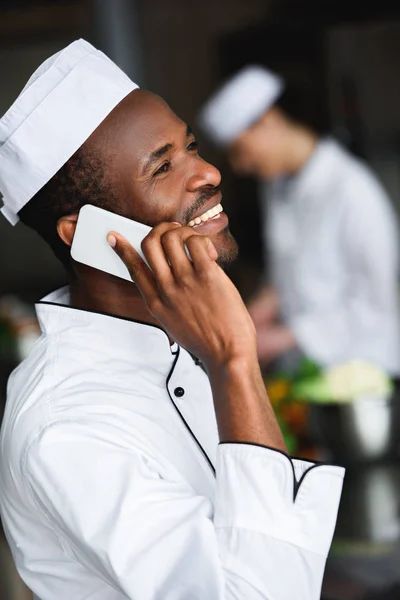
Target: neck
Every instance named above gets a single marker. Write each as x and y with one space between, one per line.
301 147
96 291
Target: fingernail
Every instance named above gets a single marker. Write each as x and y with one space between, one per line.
112 240
175 223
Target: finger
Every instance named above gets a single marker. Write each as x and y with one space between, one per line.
155 255
138 270
202 251
173 243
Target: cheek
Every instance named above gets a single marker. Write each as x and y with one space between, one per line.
274 156
254 146
156 202
272 145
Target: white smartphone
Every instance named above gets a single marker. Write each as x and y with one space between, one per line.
90 245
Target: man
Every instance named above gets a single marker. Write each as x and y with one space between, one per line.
126 471
329 231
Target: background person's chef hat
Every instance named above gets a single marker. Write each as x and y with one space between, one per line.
239 103
64 101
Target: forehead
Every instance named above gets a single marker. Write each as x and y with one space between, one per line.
138 125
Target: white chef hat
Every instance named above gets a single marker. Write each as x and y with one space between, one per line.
64 101
239 103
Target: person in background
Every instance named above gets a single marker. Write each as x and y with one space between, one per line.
329 230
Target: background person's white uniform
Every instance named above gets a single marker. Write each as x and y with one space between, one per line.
330 236
331 242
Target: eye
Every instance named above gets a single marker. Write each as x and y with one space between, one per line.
194 145
162 169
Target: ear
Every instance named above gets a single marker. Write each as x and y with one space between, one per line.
66 228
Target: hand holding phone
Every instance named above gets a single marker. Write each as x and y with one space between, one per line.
193 300
90 246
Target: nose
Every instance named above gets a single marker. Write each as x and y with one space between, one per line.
203 174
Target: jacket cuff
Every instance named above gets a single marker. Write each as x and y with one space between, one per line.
264 490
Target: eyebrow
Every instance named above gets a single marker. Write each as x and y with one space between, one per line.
157 154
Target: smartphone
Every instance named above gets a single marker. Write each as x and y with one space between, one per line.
90 245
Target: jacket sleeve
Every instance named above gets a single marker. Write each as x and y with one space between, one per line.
139 527
365 323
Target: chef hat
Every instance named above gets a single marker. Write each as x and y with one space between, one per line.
239 103
64 101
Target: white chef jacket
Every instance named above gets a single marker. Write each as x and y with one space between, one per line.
331 241
114 484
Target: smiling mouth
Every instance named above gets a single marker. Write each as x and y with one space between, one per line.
213 213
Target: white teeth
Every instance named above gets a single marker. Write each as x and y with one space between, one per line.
212 213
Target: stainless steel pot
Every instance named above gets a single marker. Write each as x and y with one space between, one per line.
369 507
366 430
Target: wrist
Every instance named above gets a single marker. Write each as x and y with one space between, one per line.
242 408
234 366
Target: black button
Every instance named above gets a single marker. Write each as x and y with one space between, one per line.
179 392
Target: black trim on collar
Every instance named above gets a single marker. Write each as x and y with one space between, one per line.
105 314
296 484
174 353
182 417
197 362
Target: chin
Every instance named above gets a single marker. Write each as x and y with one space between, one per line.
227 248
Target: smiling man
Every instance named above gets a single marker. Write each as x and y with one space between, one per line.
140 457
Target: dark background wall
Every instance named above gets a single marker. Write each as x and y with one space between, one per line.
345 54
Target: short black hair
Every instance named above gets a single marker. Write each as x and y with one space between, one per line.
81 180
302 102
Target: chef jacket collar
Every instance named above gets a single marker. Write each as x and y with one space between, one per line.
124 337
